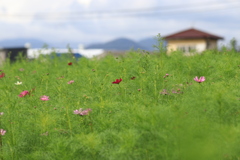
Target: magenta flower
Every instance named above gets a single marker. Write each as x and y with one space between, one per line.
70 82
23 93
2 75
44 98
2 132
117 81
201 79
82 112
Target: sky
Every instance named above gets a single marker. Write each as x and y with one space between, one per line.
93 21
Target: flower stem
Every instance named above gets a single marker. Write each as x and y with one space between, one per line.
91 123
1 152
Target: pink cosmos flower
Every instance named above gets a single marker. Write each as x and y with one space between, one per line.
70 82
44 98
166 75
82 112
23 93
1 113
201 79
2 132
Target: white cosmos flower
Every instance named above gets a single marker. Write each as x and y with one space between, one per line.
18 83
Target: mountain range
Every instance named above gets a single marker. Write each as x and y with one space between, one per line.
116 44
124 44
21 42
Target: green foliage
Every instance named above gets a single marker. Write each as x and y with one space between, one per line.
129 120
233 44
160 46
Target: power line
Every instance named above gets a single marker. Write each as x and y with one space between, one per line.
150 9
164 10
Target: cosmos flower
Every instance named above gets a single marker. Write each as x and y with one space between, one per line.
2 75
201 79
117 81
23 93
82 112
164 92
70 82
166 75
1 113
45 98
18 83
2 132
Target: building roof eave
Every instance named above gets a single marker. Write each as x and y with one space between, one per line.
192 34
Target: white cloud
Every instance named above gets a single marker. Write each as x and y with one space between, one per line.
84 2
64 22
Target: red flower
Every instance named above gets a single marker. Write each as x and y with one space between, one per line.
70 63
2 75
117 81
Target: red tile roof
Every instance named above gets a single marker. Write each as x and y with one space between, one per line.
192 34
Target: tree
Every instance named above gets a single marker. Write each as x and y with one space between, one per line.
233 44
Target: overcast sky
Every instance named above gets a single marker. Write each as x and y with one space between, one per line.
89 21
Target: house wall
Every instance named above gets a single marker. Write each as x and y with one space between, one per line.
198 44
211 44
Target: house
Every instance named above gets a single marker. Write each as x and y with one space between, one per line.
12 53
191 40
31 53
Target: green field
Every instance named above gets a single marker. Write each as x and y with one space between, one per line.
147 116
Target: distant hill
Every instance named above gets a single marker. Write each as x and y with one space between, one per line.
35 43
148 43
117 44
20 42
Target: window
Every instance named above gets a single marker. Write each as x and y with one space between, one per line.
181 48
187 48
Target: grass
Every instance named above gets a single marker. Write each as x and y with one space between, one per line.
129 120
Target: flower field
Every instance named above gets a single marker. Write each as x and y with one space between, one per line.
135 107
